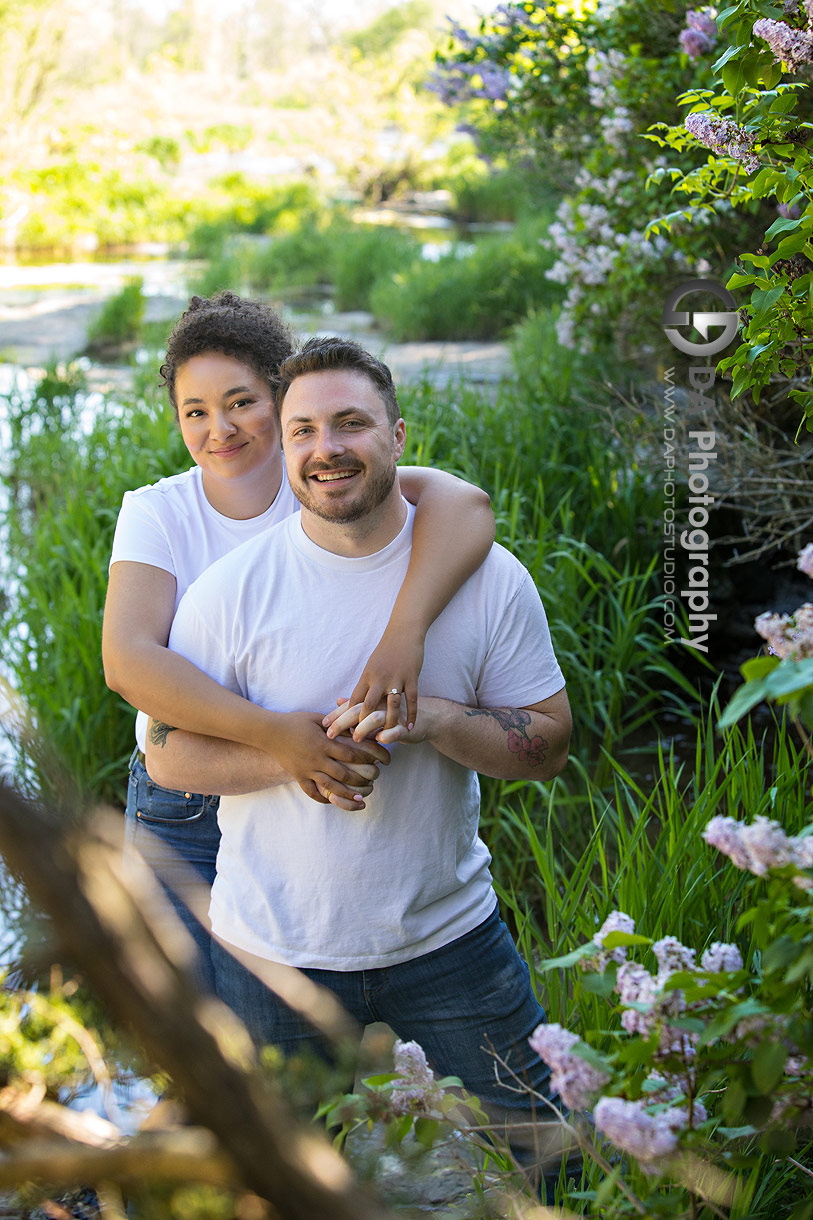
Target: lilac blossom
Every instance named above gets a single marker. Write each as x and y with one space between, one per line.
647 1137
723 136
805 561
700 34
760 846
672 956
720 957
788 636
695 43
616 921
794 47
575 1080
788 211
417 1091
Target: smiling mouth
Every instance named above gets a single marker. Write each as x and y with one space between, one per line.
227 451
333 476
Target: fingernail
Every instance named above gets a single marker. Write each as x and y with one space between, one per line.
410 727
358 797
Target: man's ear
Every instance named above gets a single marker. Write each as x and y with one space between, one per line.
399 437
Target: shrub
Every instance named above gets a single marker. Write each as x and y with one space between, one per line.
119 321
467 294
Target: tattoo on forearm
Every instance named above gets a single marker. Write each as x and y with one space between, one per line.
159 732
532 750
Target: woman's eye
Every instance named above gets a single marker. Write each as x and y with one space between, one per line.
242 402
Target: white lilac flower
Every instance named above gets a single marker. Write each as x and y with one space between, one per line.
794 47
417 1091
575 1080
805 561
724 136
721 957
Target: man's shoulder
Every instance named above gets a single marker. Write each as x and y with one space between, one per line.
250 562
501 570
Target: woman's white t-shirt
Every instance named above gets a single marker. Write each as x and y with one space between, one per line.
171 525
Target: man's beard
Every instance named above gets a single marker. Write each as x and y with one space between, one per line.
375 491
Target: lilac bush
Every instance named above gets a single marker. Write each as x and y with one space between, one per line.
712 1057
577 95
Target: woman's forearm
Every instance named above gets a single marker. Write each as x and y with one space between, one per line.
171 689
452 534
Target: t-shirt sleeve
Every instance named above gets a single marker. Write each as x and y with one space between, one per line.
193 637
520 666
141 536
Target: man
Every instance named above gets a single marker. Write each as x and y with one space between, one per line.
389 904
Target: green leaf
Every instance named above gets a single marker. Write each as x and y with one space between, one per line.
570 959
768 1065
615 939
738 279
734 1100
425 1131
373 1082
733 77
763 301
789 677
729 53
782 225
758 667
598 984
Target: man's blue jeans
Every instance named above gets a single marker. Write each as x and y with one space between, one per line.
178 835
458 1002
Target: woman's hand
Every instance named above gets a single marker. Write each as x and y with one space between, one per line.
335 769
394 666
353 717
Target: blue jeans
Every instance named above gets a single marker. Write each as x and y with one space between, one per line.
457 1002
178 835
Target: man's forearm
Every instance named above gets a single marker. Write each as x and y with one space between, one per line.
507 743
177 759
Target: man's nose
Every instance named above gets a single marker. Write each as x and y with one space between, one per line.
328 445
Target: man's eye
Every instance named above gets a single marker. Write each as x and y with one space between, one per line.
242 402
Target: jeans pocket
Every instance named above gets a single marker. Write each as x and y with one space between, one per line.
162 805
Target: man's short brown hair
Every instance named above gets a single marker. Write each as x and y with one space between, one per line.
333 354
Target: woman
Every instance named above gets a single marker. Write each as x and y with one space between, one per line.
222 357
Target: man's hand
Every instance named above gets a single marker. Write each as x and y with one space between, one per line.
507 743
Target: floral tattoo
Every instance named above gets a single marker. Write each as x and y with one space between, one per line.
159 732
532 750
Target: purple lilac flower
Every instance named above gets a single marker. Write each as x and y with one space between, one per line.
724 834
417 1091
794 47
575 1080
701 19
695 43
672 956
720 957
647 1137
616 921
758 847
723 136
790 211
805 561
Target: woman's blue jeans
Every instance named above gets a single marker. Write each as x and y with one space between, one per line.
178 835
460 1002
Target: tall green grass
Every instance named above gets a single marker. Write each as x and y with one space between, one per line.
66 471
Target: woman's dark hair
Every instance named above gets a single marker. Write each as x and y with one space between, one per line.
230 325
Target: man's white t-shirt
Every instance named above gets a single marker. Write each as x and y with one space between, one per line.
171 525
287 624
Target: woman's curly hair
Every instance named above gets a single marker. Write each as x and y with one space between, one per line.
230 325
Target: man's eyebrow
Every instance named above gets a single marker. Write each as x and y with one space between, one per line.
238 389
306 419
